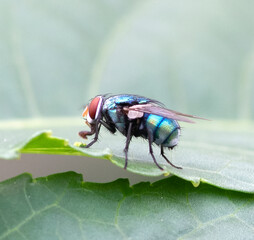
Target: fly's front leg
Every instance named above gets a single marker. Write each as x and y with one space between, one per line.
110 128
128 139
97 130
94 129
84 134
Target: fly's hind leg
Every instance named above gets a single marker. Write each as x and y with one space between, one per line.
128 139
162 154
150 140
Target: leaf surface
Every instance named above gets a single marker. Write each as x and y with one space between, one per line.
197 58
62 206
207 152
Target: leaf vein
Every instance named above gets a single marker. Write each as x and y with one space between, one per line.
17 227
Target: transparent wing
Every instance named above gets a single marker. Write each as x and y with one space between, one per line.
136 111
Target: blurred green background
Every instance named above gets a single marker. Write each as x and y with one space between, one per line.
195 56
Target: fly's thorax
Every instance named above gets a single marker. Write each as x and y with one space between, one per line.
113 111
165 131
120 120
113 102
117 118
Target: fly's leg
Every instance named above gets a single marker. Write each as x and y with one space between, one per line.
162 153
97 130
150 140
110 128
84 134
128 139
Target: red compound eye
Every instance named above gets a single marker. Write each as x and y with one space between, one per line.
93 107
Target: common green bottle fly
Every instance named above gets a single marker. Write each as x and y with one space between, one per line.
138 116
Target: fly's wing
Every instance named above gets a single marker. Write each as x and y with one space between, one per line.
136 111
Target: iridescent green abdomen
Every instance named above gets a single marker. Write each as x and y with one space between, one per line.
165 131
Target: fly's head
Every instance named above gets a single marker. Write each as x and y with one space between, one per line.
91 114
92 111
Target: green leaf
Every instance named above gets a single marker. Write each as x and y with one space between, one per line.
61 206
195 57
213 153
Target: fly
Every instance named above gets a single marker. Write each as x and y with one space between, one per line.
138 116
